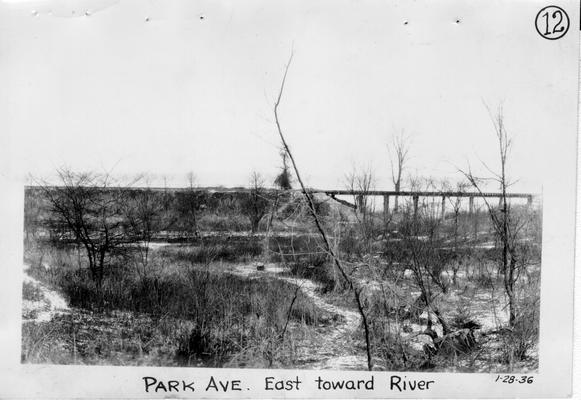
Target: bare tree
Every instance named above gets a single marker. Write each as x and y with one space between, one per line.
255 203
398 157
188 204
191 177
423 243
147 215
284 179
284 182
418 183
313 211
507 225
361 182
32 214
86 209
456 203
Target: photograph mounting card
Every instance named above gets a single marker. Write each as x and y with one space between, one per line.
288 199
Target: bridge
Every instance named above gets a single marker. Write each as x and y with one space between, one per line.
359 195
415 195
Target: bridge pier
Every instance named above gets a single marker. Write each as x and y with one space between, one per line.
475 218
386 207
360 199
360 202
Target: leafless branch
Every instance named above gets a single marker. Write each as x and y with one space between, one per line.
313 212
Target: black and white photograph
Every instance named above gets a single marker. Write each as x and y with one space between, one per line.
437 275
334 188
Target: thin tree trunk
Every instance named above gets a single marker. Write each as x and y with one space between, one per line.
312 209
266 249
396 201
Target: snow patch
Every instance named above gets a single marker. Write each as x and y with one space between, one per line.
51 304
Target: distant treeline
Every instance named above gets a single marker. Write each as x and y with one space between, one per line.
185 211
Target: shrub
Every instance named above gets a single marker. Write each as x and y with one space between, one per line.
225 249
319 270
226 312
350 244
31 292
519 341
223 223
40 344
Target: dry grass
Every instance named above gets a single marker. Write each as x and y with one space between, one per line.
189 314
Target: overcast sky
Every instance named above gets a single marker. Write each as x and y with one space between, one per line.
168 87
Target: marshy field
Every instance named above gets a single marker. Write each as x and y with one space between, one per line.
243 278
